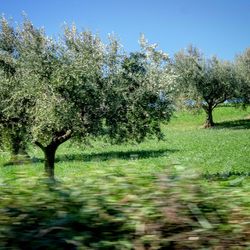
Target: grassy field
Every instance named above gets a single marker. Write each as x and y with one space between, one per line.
196 178
223 150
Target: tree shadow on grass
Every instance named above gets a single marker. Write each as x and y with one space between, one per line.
109 155
235 124
225 175
103 156
18 160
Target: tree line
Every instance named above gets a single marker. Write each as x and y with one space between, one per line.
78 87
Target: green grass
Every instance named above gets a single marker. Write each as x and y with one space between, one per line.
224 149
159 193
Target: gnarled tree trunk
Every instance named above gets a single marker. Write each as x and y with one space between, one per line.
209 119
49 160
50 152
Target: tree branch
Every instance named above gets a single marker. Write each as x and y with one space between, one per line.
61 139
39 145
218 101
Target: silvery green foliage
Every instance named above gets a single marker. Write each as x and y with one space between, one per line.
79 79
12 120
36 93
7 64
243 69
63 82
79 87
208 82
140 95
160 75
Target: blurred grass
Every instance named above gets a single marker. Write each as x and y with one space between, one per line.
200 176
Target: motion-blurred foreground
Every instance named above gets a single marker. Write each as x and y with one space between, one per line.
169 212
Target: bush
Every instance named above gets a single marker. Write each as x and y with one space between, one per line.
48 216
121 212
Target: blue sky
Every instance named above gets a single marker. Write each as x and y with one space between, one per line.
217 27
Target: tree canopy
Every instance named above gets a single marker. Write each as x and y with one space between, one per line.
243 68
78 87
12 123
205 82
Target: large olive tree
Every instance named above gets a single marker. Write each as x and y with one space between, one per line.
63 80
78 87
205 82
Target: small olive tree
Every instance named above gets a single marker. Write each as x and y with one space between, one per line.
206 82
243 69
80 88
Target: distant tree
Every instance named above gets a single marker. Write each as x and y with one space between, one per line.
12 125
204 82
243 69
80 88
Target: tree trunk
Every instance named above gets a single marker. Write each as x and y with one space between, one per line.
50 152
209 120
49 160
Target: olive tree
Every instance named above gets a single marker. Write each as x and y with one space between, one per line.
78 87
243 69
206 82
63 81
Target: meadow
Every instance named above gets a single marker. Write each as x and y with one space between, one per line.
223 150
188 191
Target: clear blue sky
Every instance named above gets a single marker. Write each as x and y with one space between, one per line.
217 27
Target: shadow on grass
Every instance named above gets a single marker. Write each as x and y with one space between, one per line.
18 160
236 124
225 175
103 156
109 155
